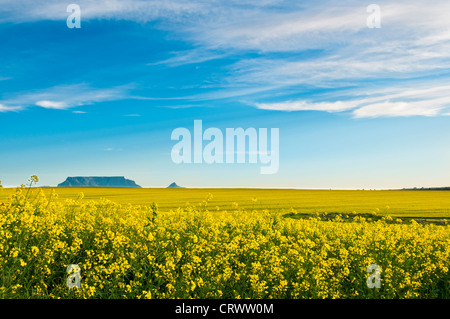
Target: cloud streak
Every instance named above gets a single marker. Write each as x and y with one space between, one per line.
62 97
399 102
133 10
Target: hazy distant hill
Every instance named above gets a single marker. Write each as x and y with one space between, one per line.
98 181
174 185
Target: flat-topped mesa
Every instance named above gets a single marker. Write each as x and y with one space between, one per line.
98 181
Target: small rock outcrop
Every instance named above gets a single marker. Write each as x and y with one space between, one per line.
174 185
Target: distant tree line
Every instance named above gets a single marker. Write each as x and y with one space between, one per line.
428 189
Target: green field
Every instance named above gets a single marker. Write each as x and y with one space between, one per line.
423 204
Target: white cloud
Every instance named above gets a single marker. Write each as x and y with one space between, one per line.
267 31
307 106
193 56
134 10
395 109
396 102
424 102
51 104
4 108
64 97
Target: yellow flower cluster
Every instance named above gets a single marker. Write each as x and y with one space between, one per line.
139 252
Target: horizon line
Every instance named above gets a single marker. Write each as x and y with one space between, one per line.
259 188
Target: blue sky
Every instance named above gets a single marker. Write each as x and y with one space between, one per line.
357 107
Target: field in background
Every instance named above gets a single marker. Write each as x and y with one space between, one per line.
424 204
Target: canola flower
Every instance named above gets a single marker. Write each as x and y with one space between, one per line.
127 251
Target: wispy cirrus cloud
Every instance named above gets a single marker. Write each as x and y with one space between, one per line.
62 97
397 102
414 43
397 109
132 115
329 46
198 55
4 108
133 10
52 105
290 106
282 46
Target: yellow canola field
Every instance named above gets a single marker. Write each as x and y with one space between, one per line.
131 251
398 203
